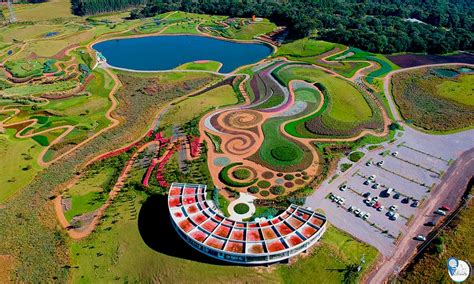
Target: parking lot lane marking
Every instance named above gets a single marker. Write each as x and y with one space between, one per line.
425 153
404 177
418 166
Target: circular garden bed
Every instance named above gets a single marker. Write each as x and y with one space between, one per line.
241 174
241 208
277 190
284 153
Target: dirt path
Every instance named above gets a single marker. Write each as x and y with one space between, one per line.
448 192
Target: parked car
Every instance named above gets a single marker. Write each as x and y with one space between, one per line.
351 209
430 224
445 208
367 182
389 191
361 213
375 198
340 201
395 153
380 163
366 216
396 195
440 212
367 194
343 187
357 211
415 204
377 205
376 186
368 163
372 177
420 238
393 208
381 208
394 217
332 196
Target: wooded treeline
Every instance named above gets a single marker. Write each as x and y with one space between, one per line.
384 26
91 7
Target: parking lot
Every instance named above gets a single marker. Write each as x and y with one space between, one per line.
411 167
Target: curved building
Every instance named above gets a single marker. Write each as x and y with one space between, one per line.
201 225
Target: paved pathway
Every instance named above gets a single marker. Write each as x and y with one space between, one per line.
244 198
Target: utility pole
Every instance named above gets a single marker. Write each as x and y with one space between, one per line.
11 13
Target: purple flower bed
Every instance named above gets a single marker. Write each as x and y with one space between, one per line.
411 60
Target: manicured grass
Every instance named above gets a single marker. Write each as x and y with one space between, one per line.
345 167
191 107
17 154
249 31
205 65
329 262
241 174
87 195
241 208
283 153
460 90
226 179
182 28
356 156
305 48
348 105
25 68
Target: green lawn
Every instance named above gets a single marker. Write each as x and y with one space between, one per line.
192 107
86 196
25 90
18 166
249 31
305 48
460 90
205 65
347 106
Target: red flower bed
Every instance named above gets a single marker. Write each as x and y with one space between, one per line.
268 233
237 235
194 146
284 229
222 231
175 191
294 240
189 200
186 225
295 222
178 214
256 248
235 247
189 190
191 209
198 236
308 231
199 218
275 246
174 202
209 225
146 179
215 243
316 221
253 235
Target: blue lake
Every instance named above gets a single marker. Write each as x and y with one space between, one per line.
168 52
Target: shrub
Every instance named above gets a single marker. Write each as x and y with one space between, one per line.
224 177
241 174
279 174
263 184
241 208
264 193
253 189
356 156
277 190
289 177
283 153
345 167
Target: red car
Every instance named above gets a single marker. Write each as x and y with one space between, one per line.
445 208
377 205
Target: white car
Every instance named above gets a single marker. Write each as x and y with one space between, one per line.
366 216
362 213
395 153
368 163
340 201
393 208
343 187
367 182
380 163
372 177
440 212
351 209
420 238
381 208
375 198
394 216
376 186
357 211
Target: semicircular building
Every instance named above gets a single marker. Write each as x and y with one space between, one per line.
202 226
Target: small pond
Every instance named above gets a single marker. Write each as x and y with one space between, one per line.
154 53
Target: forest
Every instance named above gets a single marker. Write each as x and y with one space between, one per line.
383 26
